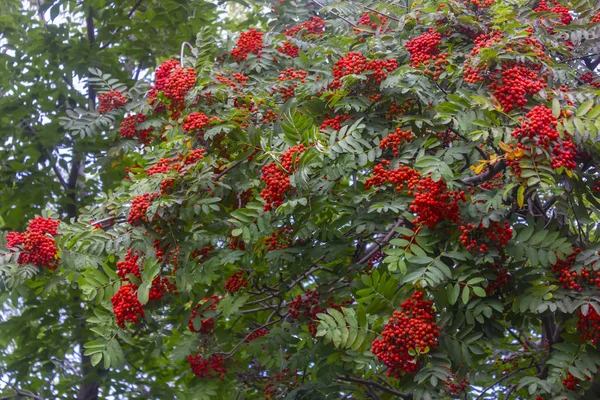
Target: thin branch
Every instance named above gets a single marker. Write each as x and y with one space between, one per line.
480 150
385 241
505 377
377 12
105 45
488 175
334 13
376 385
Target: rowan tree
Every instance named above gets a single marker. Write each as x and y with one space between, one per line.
355 200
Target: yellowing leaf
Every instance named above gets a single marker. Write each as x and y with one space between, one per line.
521 196
479 168
505 147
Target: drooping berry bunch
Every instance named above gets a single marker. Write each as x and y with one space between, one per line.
596 18
311 28
178 163
126 305
171 258
396 109
564 12
236 282
372 20
280 384
308 305
572 280
196 121
256 334
588 326
129 265
289 91
482 3
357 63
425 53
37 243
249 42
539 130
213 367
403 177
513 82
174 82
589 78
478 238
411 330
202 254
501 279
454 385
434 202
129 130
395 139
207 325
238 79
279 239
278 178
139 208
570 382
110 101
336 122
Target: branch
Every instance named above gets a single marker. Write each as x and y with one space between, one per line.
334 13
378 12
487 176
505 377
105 45
480 150
385 241
377 385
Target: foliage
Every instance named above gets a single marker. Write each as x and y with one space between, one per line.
292 195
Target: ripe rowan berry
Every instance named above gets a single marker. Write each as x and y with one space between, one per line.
38 246
236 282
213 367
206 325
126 305
250 41
278 178
110 101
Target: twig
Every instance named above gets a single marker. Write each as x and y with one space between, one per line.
385 241
480 150
334 13
505 377
120 27
378 12
491 172
376 385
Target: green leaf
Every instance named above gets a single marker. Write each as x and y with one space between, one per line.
453 293
466 295
584 108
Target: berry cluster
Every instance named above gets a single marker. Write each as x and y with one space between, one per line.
280 384
403 177
410 331
571 279
236 282
174 82
367 20
126 305
279 239
514 82
139 208
202 254
539 129
596 18
239 79
395 139
478 238
289 91
249 42
501 279
178 163
570 382
129 265
356 63
433 203
589 78
336 122
256 334
455 386
195 122
311 28
37 243
307 305
588 326
213 367
482 3
129 130
278 178
565 16
425 50
396 109
111 101
206 325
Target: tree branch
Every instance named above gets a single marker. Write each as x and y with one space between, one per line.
487 176
334 13
385 241
109 41
376 385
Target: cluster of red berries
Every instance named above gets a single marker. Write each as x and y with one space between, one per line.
357 63
202 254
279 239
434 202
236 282
139 208
366 20
289 49
292 74
396 109
565 16
129 265
174 82
478 238
178 163
425 50
280 384
171 258
256 334
278 178
482 3
37 243
588 326
571 279
313 27
195 122
540 128
307 305
395 139
213 367
454 386
249 42
403 177
269 117
236 242
207 325
129 130
239 79
411 330
336 122
110 101
500 281
514 82
596 18
126 305
570 382
589 78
